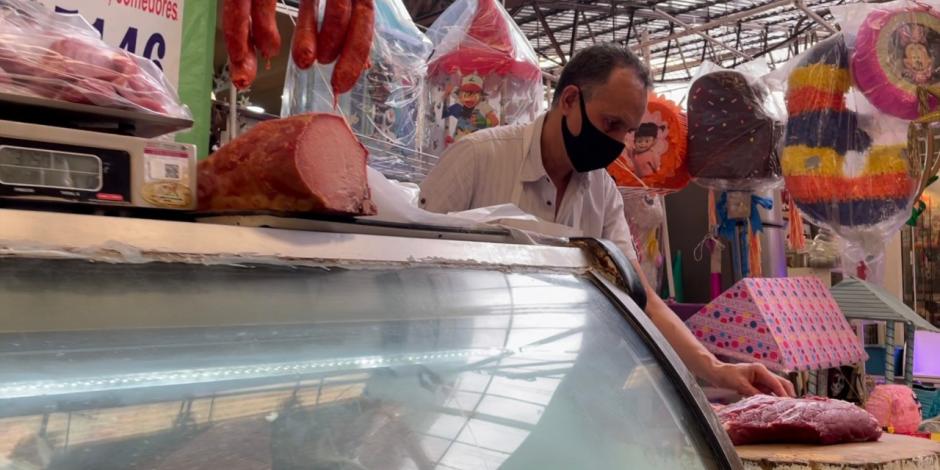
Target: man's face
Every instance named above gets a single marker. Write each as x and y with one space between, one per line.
470 99
642 144
616 108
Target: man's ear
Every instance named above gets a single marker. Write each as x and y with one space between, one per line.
569 98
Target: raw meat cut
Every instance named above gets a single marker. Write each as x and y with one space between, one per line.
814 420
305 163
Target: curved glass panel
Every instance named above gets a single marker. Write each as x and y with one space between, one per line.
200 367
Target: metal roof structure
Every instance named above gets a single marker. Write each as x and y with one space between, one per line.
863 300
674 35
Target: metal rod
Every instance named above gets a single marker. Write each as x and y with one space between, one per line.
889 351
549 33
737 44
590 31
685 64
667 248
630 27
546 57
736 254
801 4
574 34
908 354
666 59
232 112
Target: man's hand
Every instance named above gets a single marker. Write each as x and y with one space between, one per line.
750 379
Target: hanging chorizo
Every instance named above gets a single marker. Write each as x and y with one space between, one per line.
304 47
236 27
332 34
264 30
355 55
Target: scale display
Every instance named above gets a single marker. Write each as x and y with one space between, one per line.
23 166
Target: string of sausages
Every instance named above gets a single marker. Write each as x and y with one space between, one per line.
250 27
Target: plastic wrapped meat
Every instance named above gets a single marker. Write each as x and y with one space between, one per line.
764 419
61 57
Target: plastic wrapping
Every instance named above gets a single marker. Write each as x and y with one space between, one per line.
484 73
645 215
895 407
895 48
62 57
655 158
386 106
846 164
734 130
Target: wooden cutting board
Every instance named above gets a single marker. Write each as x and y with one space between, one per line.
891 452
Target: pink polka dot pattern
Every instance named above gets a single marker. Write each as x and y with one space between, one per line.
787 324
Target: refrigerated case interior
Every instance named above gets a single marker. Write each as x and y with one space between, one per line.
133 355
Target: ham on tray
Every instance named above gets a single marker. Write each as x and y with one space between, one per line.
310 163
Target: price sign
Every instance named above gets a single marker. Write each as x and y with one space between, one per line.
152 29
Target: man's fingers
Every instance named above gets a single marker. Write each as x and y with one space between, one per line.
748 390
770 380
791 392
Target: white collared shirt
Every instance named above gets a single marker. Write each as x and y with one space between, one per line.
503 165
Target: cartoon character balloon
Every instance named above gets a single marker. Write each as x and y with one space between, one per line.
483 73
654 160
471 111
897 50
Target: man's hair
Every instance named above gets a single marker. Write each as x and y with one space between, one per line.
592 66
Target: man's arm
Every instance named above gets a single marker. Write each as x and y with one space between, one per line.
449 186
747 379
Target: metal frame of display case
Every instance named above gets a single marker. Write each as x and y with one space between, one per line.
39 235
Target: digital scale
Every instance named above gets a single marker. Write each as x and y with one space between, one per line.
65 152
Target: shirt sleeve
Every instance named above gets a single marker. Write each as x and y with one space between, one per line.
449 186
615 223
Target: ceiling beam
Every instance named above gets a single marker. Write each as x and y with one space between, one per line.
689 29
549 33
758 51
611 12
766 15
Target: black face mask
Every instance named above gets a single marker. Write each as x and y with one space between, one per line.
592 149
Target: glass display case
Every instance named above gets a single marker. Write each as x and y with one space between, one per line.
128 343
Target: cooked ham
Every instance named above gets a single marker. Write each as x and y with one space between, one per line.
311 163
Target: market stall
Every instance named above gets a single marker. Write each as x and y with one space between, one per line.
283 303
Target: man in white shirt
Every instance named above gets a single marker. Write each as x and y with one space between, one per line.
555 169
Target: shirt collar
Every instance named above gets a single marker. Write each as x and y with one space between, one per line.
532 168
